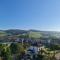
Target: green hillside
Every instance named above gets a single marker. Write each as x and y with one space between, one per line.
35 34
3 33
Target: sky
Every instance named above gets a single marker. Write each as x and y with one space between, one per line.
30 14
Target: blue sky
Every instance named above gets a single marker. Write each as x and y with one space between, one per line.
30 14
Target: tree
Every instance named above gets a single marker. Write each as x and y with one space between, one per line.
6 54
13 48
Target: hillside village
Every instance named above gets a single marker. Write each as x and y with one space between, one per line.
30 45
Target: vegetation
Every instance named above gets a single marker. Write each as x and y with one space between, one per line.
6 34
17 51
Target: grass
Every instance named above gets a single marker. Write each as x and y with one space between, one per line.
35 34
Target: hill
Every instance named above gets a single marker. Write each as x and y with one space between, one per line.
31 33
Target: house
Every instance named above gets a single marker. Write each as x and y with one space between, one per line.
34 49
